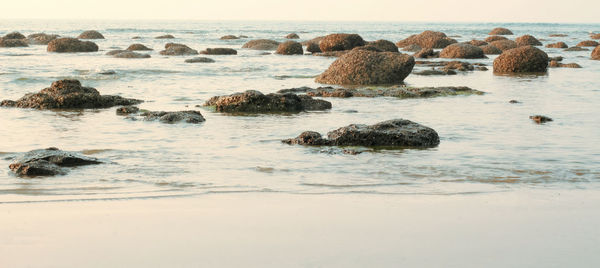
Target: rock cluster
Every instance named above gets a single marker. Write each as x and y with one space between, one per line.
253 101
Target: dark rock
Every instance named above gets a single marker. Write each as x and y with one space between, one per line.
525 59
192 117
166 36
576 49
14 35
557 45
173 49
91 35
289 48
68 94
426 53
261 44
115 52
131 55
595 36
558 35
490 50
463 51
493 38
48 162
138 47
332 53
540 119
71 45
199 60
587 43
136 37
433 71
340 41
219 51
125 110
41 38
252 101
13 42
500 31
514 101
413 48
527 40
315 40
596 53
556 64
313 48
362 67
292 36
229 37
384 45
504 44
557 58
477 43
401 92
427 39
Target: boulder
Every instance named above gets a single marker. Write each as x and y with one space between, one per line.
229 37
68 94
426 53
41 38
525 59
558 35
340 41
71 45
384 45
13 42
587 43
261 44
596 53
313 48
392 133
556 64
166 36
412 48
199 60
91 35
14 35
138 47
173 49
427 39
595 36
557 45
316 40
540 119
290 48
477 43
462 51
500 31
48 162
292 36
576 49
192 117
490 50
401 92
253 101
115 52
493 38
219 51
363 67
504 44
126 110
131 55
527 40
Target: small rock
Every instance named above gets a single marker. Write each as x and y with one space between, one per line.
540 119
289 48
252 101
138 47
199 60
48 162
527 40
91 35
463 51
173 49
261 44
493 38
292 36
588 43
219 51
500 31
166 36
427 39
557 45
71 45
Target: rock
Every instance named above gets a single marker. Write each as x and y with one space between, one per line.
504 44
525 59
463 51
576 49
41 38
71 45
500 31
192 117
331 53
412 48
292 36
493 38
313 48
514 101
173 49
136 37
477 43
587 43
199 60
527 40
229 37
13 42
166 36
595 36
596 53
125 110
427 39
138 47
131 55
289 48
490 50
556 64
393 133
91 35
340 41
557 58
14 35
48 162
261 44
362 67
402 92
558 35
433 71
384 45
315 40
219 51
426 53
557 45
68 94
115 52
540 119
253 101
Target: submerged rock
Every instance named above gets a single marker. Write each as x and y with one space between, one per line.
125 110
540 119
71 45
477 43
131 55
412 48
504 44
41 38
253 101
595 36
500 31
557 45
313 48
341 41
427 39
463 51
576 49
192 117
587 43
527 40
91 35
14 35
48 162
166 36
68 94
261 44
219 51
363 67
558 35
525 59
292 36
173 49
4 42
199 60
426 53
401 92
289 48
493 38
229 37
138 47
393 133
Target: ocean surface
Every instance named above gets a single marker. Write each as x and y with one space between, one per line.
487 144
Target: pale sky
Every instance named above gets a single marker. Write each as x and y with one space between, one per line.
585 11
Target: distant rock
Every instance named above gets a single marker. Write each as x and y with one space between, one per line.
596 53
253 101
595 36
166 36
341 41
191 117
229 37
462 51
576 49
504 44
427 39
500 31
587 43
401 92
71 45
316 40
384 45
289 48
41 38
313 48
138 47
292 36
199 60
331 53
14 35
558 35
131 55
261 44
426 53
525 59
527 40
490 50
493 38
540 119
557 45
48 162
412 48
13 42
91 35
219 51
477 43
126 110
173 49
556 64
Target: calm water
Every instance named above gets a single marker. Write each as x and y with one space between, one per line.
487 144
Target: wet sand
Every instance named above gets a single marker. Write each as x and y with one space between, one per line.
522 228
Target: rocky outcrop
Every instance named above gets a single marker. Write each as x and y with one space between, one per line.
316 40
261 44
490 50
68 94
447 67
557 45
587 43
493 38
138 47
402 92
504 44
525 59
166 36
48 162
500 31
253 101
173 49
427 39
292 36
71 45
14 35
462 51
191 117
384 45
40 38
219 51
340 41
392 133
527 40
412 48
289 48
91 35
199 60
596 53
313 48
363 67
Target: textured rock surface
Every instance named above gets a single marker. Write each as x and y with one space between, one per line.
41 38
557 45
427 39
523 59
527 40
261 44
587 43
48 162
500 31
463 51
292 36
166 36
219 51
290 48
384 45
138 47
253 101
199 60
596 53
91 35
504 44
493 38
401 92
490 50
173 49
340 41
71 45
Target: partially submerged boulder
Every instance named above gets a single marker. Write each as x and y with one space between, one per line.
166 36
556 64
130 55
292 36
261 44
426 53
525 59
363 67
4 42
527 40
91 35
341 41
71 45
68 94
313 48
199 60
576 49
138 47
587 43
392 133
384 45
462 51
14 35
540 119
219 51
48 162
500 31
596 53
557 45
427 39
402 92
191 117
595 36
558 35
229 37
41 38
493 38
173 49
477 43
504 44
253 101
412 48
290 48
490 50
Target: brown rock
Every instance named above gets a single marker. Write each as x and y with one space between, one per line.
91 35
587 43
426 53
71 45
557 45
527 40
138 47
292 36
14 35
576 49
261 44
316 40
500 31
427 39
504 44
166 36
219 51
540 119
41 38
477 43
173 49
199 60
313 48
340 41
290 48
462 50
595 36
412 48
490 50
558 35
525 59
495 38
229 37
13 42
131 55
252 101
596 53
384 45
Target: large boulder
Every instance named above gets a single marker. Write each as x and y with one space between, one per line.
462 51
219 51
364 67
490 50
596 53
525 59
587 43
13 42
500 31
504 44
14 35
261 44
527 40
290 48
48 162
253 101
68 94
138 47
91 35
173 49
427 39
557 45
71 45
384 45
391 133
41 38
341 41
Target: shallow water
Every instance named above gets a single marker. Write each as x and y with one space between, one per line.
487 144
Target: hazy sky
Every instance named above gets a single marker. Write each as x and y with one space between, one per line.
357 10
